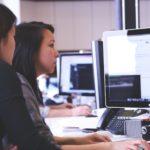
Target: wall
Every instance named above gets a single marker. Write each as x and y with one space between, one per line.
76 23
14 5
144 13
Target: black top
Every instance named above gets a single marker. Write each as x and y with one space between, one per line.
14 117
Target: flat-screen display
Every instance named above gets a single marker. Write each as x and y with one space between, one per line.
127 68
76 74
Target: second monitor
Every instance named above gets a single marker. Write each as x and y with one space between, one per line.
76 74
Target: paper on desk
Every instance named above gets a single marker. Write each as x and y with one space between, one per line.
81 122
57 125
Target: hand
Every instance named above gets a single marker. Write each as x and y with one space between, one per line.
81 111
95 138
130 145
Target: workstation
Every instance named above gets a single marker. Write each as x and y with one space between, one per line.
121 88
91 90
112 78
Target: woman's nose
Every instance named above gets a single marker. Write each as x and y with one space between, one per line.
56 53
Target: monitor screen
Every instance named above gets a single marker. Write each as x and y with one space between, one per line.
98 69
127 68
76 74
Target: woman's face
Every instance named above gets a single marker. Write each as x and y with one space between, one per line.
7 46
46 58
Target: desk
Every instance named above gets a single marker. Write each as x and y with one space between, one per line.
58 126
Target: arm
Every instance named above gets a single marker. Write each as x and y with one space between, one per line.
76 111
123 145
59 112
62 106
88 139
33 109
14 116
19 126
105 146
101 146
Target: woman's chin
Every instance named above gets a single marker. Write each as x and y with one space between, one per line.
51 71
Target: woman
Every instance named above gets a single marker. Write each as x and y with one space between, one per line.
15 120
31 71
35 48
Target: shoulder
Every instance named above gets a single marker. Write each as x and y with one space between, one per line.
27 90
30 98
6 71
25 85
8 75
22 79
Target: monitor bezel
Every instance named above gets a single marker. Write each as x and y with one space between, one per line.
98 70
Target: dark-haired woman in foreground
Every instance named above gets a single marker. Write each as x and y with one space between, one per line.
35 47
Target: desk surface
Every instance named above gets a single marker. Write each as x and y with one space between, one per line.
71 126
59 126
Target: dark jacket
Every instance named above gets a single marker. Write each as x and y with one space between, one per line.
14 117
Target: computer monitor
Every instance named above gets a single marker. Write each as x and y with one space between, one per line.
127 65
76 74
98 70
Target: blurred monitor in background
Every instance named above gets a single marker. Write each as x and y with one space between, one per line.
98 70
76 74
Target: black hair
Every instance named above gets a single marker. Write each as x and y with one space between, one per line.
7 20
28 41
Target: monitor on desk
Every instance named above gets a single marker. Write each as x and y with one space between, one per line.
76 74
127 65
98 69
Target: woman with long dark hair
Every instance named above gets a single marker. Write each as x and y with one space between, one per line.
27 63
34 55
